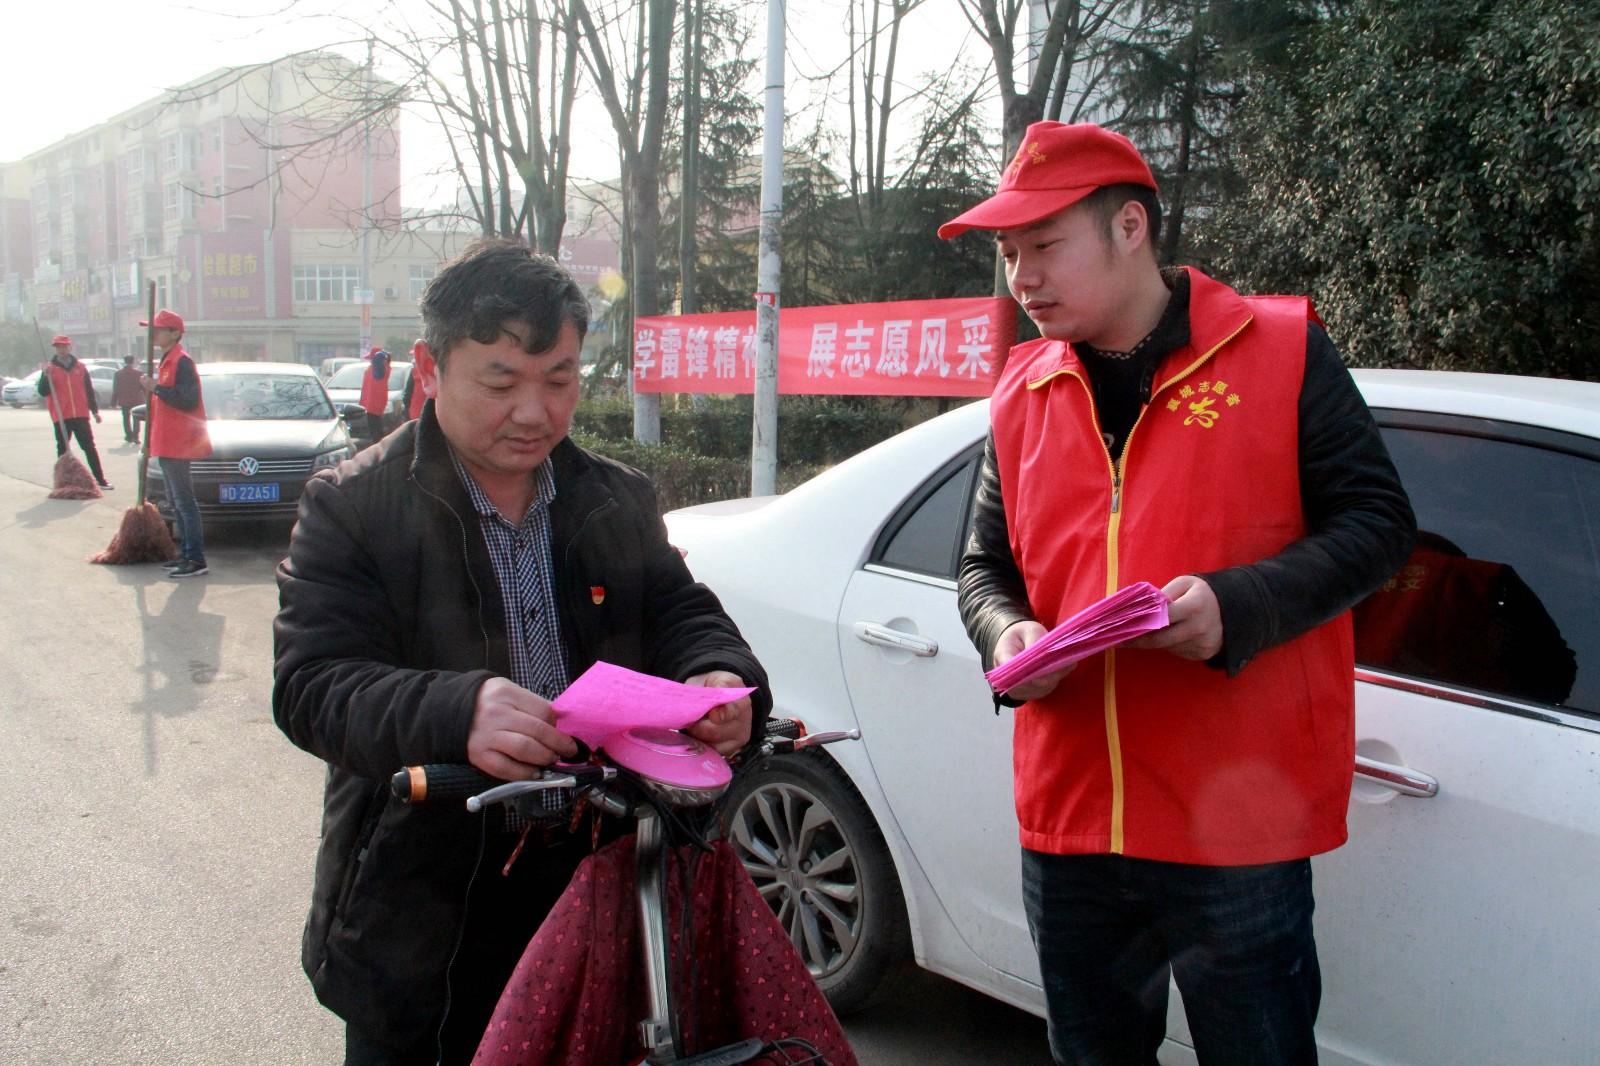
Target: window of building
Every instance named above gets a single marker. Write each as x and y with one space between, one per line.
421 274
177 202
171 153
161 291
324 283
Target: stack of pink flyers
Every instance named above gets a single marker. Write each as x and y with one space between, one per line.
1125 614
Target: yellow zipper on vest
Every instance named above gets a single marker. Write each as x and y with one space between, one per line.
1113 734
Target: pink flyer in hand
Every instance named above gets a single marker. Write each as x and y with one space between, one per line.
608 698
1125 614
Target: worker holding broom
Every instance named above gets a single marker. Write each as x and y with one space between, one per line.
65 385
177 435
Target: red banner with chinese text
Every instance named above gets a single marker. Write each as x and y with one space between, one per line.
908 348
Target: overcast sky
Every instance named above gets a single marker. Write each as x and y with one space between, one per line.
70 64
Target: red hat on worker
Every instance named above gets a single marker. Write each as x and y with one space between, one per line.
59 339
165 320
1057 165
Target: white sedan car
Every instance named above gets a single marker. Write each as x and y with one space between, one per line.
23 391
1460 924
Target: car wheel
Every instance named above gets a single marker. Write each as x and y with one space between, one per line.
809 842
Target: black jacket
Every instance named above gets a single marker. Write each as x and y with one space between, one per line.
1360 528
390 619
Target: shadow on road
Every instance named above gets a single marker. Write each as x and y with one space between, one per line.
46 511
920 1019
182 647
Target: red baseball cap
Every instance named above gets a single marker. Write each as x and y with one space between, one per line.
1056 166
165 320
60 338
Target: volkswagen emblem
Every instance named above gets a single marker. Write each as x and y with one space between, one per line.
249 467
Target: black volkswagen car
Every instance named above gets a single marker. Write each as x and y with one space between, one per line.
272 426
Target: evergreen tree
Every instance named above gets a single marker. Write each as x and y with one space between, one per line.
725 188
1177 78
1430 173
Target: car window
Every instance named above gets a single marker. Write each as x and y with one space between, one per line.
348 377
265 396
926 535
1500 594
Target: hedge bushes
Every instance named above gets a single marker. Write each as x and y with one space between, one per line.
812 430
705 450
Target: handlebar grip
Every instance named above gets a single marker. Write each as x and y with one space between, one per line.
440 781
785 728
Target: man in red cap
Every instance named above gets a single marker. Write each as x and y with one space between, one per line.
1171 791
69 393
178 436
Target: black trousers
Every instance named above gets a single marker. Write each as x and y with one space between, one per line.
130 431
79 428
1111 931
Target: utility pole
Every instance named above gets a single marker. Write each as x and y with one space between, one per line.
769 267
364 294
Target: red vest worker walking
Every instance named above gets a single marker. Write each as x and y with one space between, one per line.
375 392
420 383
1171 791
69 394
177 437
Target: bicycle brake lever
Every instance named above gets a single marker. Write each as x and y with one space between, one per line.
812 740
512 789
575 778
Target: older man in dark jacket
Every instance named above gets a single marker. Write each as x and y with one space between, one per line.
440 590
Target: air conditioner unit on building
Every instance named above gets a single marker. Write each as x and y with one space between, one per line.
391 293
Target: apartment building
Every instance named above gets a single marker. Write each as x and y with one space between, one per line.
245 196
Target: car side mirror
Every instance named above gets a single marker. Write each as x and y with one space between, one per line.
351 412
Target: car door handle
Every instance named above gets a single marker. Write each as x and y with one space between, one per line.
884 637
1402 779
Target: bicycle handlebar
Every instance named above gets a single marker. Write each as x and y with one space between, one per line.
440 781
455 782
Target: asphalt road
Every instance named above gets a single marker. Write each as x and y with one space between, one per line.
159 830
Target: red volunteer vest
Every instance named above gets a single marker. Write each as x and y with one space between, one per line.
1142 753
68 391
176 434
375 390
418 397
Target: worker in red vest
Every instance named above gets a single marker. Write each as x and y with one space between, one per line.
69 393
178 436
375 392
420 383
1171 791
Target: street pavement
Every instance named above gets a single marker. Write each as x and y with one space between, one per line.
159 830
